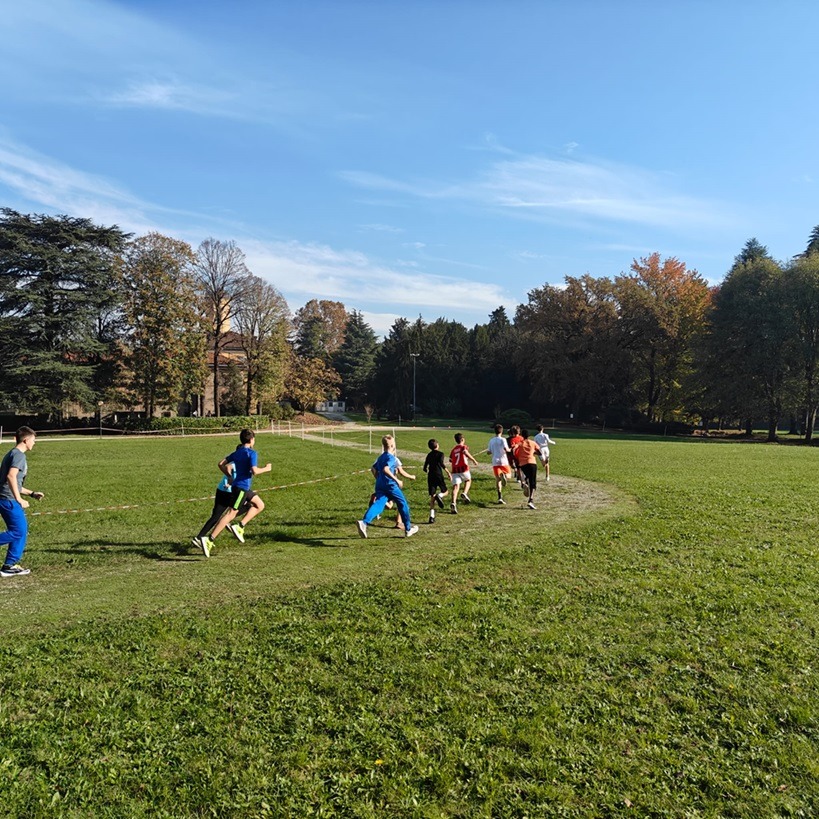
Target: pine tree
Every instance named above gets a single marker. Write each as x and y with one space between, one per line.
354 360
57 284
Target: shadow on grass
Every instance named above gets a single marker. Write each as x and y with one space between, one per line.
162 550
312 542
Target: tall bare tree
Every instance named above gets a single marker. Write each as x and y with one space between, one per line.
263 321
221 274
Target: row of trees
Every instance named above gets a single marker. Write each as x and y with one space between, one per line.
88 313
656 344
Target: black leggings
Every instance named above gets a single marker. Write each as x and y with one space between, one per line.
530 473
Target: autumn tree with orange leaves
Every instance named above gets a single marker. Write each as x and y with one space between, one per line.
662 307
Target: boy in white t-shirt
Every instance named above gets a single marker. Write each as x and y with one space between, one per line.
543 440
499 450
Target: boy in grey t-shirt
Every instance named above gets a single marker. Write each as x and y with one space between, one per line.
13 471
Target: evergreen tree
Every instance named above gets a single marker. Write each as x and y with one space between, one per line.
801 288
813 242
751 251
57 285
354 360
749 331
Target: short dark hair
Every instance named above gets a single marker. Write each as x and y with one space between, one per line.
540 427
498 429
23 433
246 436
524 433
458 437
432 443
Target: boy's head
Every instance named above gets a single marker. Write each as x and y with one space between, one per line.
432 443
524 433
388 443
539 427
459 438
247 436
498 429
26 434
514 430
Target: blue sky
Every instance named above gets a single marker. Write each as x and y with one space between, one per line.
435 158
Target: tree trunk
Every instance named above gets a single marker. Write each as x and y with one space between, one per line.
773 418
810 420
216 345
248 393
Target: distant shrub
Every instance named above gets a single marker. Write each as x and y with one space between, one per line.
515 416
203 426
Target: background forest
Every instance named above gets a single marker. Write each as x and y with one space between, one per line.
91 315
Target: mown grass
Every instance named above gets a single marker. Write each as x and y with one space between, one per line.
643 644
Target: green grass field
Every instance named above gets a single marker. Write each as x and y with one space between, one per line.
640 645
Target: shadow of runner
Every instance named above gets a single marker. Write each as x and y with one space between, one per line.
151 551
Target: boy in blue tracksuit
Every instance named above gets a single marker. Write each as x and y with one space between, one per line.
13 470
387 488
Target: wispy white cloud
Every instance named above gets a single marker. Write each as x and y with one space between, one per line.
379 228
318 271
172 95
35 182
381 322
42 182
541 188
300 270
528 255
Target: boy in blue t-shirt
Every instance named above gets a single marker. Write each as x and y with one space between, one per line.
387 488
240 467
222 502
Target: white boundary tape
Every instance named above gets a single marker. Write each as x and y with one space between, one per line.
193 500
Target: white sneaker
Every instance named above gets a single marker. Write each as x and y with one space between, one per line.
530 505
13 571
502 501
411 531
362 528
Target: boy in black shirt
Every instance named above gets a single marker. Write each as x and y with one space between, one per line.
434 467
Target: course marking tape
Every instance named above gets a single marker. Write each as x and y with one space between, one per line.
193 500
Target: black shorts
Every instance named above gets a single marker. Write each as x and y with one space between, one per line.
435 484
241 498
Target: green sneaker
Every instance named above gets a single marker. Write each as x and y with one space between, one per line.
237 530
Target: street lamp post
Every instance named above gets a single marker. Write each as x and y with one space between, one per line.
414 359
99 404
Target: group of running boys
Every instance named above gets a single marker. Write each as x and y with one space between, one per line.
235 497
517 456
